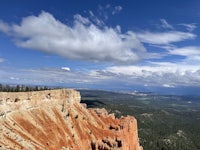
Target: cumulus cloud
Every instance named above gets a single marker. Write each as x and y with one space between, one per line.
159 74
91 40
165 24
82 41
164 37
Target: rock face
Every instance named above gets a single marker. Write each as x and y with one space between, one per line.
56 120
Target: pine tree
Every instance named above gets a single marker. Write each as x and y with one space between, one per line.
1 87
17 88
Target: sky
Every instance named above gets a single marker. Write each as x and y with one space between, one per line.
121 45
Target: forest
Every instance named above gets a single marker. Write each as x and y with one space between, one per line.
21 88
165 122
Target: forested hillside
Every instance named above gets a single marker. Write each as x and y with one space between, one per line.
164 122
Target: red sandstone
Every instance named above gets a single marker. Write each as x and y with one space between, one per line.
63 124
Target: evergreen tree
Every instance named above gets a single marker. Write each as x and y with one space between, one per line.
1 87
36 88
27 89
17 88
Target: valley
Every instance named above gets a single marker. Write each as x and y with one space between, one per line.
165 122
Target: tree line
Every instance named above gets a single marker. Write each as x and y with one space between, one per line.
22 88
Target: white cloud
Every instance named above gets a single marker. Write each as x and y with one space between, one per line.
117 9
164 37
165 24
52 76
96 20
13 78
82 41
81 19
186 51
1 60
190 27
65 68
151 55
4 26
103 11
107 10
191 54
90 40
168 86
158 74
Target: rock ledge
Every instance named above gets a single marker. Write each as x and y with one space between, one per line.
56 120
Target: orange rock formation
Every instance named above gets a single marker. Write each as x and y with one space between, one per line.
56 120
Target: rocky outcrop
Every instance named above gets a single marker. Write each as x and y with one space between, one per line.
55 120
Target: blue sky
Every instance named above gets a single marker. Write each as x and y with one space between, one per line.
113 45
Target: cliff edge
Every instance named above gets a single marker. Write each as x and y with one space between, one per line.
56 120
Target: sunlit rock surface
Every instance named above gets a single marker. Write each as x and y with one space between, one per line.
56 120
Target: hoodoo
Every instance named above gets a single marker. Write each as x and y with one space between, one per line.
56 120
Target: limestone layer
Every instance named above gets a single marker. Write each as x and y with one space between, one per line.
56 120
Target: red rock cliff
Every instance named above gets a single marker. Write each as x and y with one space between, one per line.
56 120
